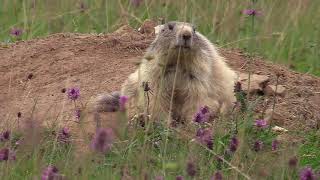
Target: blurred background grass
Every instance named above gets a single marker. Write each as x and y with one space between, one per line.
285 31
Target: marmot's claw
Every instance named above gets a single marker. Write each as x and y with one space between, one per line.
107 102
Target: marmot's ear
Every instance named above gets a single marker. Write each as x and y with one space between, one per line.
158 28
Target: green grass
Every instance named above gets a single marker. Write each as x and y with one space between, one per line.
285 32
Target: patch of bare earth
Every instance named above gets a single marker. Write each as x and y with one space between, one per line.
100 63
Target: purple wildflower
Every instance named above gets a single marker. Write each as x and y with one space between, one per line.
204 136
5 136
50 173
73 93
135 3
179 178
102 140
234 144
257 146
7 154
237 87
251 12
122 102
82 7
64 135
199 117
77 114
293 162
307 174
260 123
275 145
191 169
16 32
204 109
216 176
159 178
202 115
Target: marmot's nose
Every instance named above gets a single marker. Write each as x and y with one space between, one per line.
186 35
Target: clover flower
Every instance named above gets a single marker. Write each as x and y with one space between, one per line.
103 139
73 93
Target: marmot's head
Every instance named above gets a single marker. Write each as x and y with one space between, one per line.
178 36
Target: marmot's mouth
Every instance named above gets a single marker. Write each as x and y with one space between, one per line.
185 46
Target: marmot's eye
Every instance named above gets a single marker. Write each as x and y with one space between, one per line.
194 29
171 26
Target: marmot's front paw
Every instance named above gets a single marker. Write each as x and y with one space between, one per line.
107 102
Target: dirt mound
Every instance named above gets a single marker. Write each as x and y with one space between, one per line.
100 63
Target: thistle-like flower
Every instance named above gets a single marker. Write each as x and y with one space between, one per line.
7 154
307 174
64 135
16 32
5 136
293 162
135 3
233 146
251 12
159 178
191 169
103 139
261 123
204 136
122 102
257 146
73 93
179 178
202 115
216 176
77 114
275 145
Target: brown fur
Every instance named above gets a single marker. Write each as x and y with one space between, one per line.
198 74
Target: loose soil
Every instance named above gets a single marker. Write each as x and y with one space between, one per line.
101 63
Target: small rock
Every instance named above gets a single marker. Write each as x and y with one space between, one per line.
279 129
270 90
257 82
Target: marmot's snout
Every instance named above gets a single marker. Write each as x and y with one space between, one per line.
185 36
